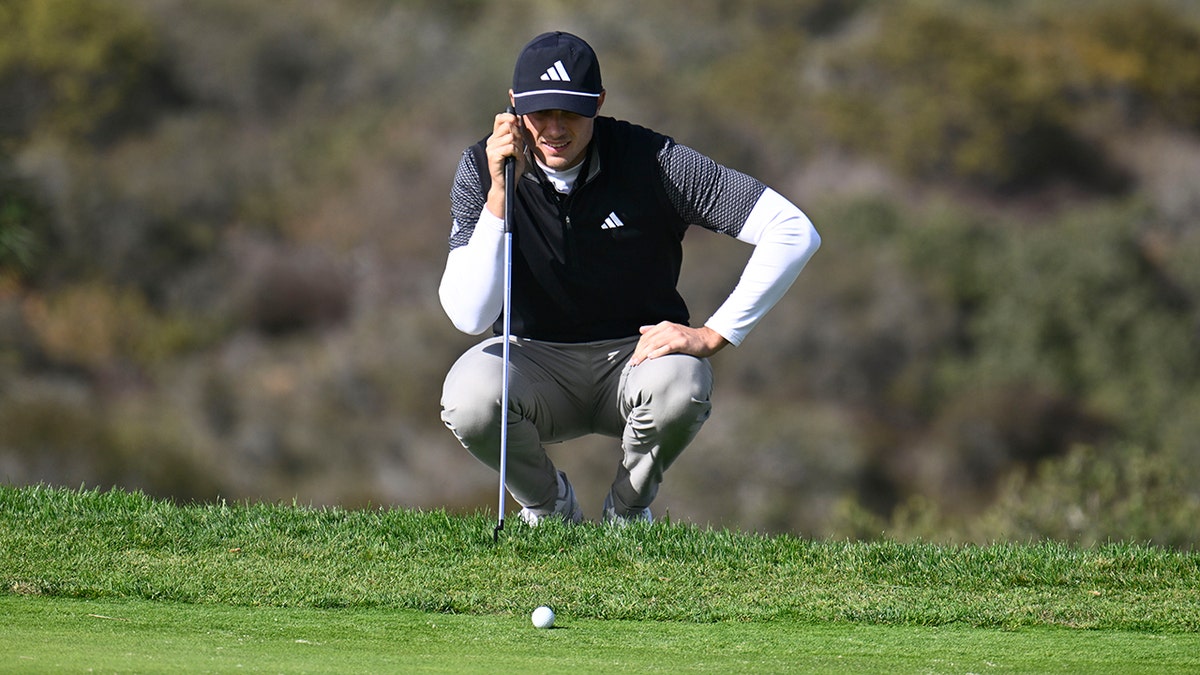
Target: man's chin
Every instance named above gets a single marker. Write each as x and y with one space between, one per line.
557 161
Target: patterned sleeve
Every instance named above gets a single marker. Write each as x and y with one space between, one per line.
705 193
466 201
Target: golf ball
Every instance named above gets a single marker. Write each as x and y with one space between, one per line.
543 617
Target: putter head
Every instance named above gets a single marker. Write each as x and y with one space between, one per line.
496 531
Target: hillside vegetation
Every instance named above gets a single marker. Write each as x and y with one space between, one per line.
222 226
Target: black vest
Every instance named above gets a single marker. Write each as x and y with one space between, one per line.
601 262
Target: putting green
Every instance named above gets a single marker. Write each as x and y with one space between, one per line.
43 634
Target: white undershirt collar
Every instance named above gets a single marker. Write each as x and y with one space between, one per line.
563 181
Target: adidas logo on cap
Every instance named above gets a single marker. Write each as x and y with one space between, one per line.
557 73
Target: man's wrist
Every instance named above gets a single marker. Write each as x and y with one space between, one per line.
495 202
715 339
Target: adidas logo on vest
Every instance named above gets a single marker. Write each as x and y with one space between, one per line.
612 222
556 73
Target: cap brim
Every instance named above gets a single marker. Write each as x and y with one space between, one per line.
536 101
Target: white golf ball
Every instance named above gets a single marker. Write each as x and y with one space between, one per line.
543 617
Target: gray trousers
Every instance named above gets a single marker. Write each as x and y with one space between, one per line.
562 391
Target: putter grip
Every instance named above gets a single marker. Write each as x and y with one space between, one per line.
510 164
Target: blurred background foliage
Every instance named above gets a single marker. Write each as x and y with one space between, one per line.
222 225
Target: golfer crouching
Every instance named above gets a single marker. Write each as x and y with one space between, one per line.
600 340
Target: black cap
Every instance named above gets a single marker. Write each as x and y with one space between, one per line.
557 71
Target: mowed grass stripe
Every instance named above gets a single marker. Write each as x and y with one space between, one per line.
69 635
114 544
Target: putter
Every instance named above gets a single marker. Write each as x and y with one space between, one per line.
509 189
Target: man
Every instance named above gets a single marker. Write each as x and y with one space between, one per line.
601 340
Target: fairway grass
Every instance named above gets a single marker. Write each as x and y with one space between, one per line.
117 581
130 636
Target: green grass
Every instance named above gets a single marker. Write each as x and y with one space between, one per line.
119 581
57 635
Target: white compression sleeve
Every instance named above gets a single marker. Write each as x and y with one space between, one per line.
472 288
784 239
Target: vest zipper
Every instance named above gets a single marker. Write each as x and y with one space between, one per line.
569 238
564 205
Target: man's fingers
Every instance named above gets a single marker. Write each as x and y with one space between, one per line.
507 139
672 338
657 340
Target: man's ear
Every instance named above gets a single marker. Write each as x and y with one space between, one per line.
599 101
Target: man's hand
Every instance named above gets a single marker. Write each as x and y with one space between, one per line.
507 140
672 338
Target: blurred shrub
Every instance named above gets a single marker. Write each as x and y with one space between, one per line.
1084 310
50 431
1079 306
24 236
986 432
778 466
947 94
1140 57
1092 495
247 60
288 290
974 347
149 210
73 68
730 86
98 328
868 331
64 433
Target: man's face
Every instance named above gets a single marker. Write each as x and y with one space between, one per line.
559 138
